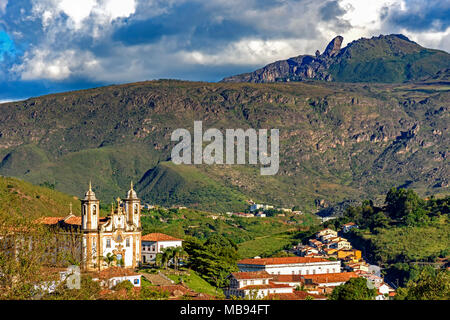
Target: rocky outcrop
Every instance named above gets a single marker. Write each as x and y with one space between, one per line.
333 47
363 60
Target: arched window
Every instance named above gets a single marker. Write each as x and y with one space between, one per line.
94 210
128 242
136 209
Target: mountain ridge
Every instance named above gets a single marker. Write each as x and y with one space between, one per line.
386 58
337 141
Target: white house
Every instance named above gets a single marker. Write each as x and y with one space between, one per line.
326 231
348 226
154 243
112 276
290 265
258 206
255 285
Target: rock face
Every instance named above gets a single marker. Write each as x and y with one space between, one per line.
333 47
378 59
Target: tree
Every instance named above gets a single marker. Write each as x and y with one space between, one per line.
353 289
406 206
214 259
110 259
429 286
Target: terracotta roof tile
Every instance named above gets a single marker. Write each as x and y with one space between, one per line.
283 260
287 278
49 220
113 272
270 285
331 277
158 237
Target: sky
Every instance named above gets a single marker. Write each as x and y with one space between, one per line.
49 46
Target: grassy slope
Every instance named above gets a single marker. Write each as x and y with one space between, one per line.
413 243
22 198
193 281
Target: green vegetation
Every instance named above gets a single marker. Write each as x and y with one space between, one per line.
429 285
187 222
354 289
24 199
195 282
265 245
213 259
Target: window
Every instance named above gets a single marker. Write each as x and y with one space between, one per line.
314 271
128 242
94 209
136 209
245 282
108 243
136 281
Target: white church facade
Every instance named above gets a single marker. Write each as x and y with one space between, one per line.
117 235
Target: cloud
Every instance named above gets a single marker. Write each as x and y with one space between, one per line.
3 4
418 15
44 64
65 43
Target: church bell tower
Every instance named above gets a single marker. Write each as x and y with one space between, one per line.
90 208
133 207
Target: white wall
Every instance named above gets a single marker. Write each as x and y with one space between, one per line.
297 268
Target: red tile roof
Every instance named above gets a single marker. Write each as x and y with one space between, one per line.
303 294
331 277
113 272
49 220
73 221
158 237
252 275
270 285
287 278
283 260
349 224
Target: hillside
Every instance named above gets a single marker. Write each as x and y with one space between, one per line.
391 59
22 198
338 141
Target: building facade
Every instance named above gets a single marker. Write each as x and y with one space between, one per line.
290 265
117 235
154 243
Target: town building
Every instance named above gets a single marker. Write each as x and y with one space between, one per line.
255 285
348 226
154 243
112 276
290 265
326 232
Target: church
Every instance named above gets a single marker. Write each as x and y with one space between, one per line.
95 240
118 234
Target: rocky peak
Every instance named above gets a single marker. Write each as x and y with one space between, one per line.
333 47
